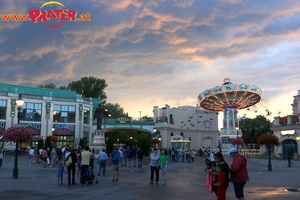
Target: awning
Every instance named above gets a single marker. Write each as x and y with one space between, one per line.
33 131
63 132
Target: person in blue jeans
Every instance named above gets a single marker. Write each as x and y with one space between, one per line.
85 163
163 160
102 162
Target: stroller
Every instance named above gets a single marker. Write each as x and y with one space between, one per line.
90 177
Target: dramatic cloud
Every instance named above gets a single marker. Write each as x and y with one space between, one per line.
159 52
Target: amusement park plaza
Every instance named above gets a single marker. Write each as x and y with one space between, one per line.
68 117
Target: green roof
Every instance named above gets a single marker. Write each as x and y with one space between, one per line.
37 91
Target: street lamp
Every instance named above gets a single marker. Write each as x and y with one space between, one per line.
237 136
269 149
19 103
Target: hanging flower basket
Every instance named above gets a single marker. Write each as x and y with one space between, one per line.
265 139
237 141
16 134
53 138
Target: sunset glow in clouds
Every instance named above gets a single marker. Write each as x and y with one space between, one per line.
159 52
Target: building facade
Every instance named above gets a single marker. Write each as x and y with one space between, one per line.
197 125
47 112
287 128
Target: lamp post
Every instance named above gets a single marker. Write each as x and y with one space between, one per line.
140 115
19 103
237 136
269 151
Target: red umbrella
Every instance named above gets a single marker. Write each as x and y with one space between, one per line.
237 141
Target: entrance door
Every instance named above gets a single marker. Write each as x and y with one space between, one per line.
288 141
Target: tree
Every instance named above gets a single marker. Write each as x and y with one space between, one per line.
40 145
62 87
48 143
253 128
115 110
89 87
49 85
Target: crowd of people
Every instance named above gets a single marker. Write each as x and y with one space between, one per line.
68 160
220 173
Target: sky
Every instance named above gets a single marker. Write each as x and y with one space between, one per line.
158 52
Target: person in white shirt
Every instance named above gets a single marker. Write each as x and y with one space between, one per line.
30 155
212 159
121 158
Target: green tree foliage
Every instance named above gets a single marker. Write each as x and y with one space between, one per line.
115 110
62 87
123 137
89 87
253 128
143 141
48 143
83 142
49 85
40 145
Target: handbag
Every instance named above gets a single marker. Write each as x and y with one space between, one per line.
69 161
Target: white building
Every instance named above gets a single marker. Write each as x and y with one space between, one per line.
46 112
196 124
287 128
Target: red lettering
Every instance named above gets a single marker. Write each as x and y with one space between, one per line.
64 15
58 14
5 17
34 14
52 15
72 15
43 16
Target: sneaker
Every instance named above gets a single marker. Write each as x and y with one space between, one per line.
112 180
164 183
151 182
117 180
156 182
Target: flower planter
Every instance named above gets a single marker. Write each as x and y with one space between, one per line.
108 162
37 158
146 160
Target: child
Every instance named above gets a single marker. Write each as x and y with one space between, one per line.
220 183
208 164
60 170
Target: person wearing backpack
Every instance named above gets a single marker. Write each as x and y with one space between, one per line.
72 167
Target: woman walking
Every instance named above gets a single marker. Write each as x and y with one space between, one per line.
163 160
154 166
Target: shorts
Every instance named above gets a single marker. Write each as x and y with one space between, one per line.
44 159
115 167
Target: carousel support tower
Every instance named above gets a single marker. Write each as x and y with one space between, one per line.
229 98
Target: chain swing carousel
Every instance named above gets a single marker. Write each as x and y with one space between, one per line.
230 98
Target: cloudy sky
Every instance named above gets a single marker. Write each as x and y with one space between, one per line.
157 52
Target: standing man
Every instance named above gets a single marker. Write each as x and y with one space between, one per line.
102 162
140 155
85 162
238 173
115 159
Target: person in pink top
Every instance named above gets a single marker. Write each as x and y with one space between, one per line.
238 173
44 157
